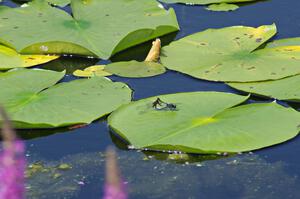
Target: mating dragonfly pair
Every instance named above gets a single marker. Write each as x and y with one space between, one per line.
158 104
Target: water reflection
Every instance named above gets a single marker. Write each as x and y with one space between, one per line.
242 176
177 157
69 64
39 133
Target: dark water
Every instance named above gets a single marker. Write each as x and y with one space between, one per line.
269 173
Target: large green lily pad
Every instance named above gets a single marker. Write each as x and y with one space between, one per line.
204 122
98 27
33 102
283 89
205 2
11 59
230 54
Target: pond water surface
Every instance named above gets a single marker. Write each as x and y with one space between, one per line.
270 173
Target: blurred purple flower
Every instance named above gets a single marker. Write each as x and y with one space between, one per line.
114 185
12 162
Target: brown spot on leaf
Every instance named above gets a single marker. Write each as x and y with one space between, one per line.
258 40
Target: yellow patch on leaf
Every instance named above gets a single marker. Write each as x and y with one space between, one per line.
203 121
12 59
32 60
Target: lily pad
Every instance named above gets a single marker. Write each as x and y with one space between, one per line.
230 54
204 122
135 69
31 102
11 59
284 42
222 7
60 3
127 23
283 89
205 2
97 70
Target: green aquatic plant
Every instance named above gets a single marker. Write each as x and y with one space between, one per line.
96 70
213 5
282 89
131 69
11 59
205 2
204 122
284 42
232 54
60 3
96 28
36 102
222 7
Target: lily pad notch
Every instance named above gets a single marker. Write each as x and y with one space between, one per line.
131 69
